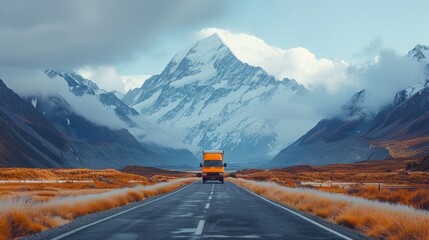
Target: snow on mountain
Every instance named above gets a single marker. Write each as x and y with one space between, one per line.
420 52
397 130
295 63
407 93
80 86
218 100
118 94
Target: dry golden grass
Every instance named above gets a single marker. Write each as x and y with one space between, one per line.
150 172
23 216
416 198
373 218
96 181
405 148
383 171
102 178
398 185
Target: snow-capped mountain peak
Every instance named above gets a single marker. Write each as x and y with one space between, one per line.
215 99
420 52
293 63
353 109
210 46
408 92
80 86
200 57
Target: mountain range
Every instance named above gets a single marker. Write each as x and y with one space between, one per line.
217 101
399 130
44 131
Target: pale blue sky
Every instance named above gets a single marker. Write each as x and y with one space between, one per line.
338 29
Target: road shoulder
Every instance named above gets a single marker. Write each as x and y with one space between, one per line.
335 227
94 217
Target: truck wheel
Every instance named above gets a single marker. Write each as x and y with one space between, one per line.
221 181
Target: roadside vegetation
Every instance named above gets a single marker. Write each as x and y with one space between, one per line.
372 218
28 208
383 171
385 181
416 198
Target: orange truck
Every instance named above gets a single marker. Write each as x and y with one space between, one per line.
213 165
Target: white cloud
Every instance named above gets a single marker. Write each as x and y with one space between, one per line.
385 76
133 81
35 82
106 77
71 34
297 63
331 82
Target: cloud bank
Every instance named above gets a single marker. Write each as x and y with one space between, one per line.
331 82
71 34
295 63
109 79
89 35
87 106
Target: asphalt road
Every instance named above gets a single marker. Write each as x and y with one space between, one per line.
206 211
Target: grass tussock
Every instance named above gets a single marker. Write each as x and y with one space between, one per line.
100 178
22 216
397 184
372 218
383 171
416 198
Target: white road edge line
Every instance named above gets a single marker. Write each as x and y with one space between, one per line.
200 227
117 214
299 215
207 205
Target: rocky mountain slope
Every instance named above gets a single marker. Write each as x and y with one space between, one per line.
27 139
337 140
45 132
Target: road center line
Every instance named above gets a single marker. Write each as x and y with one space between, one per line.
200 227
210 198
207 205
